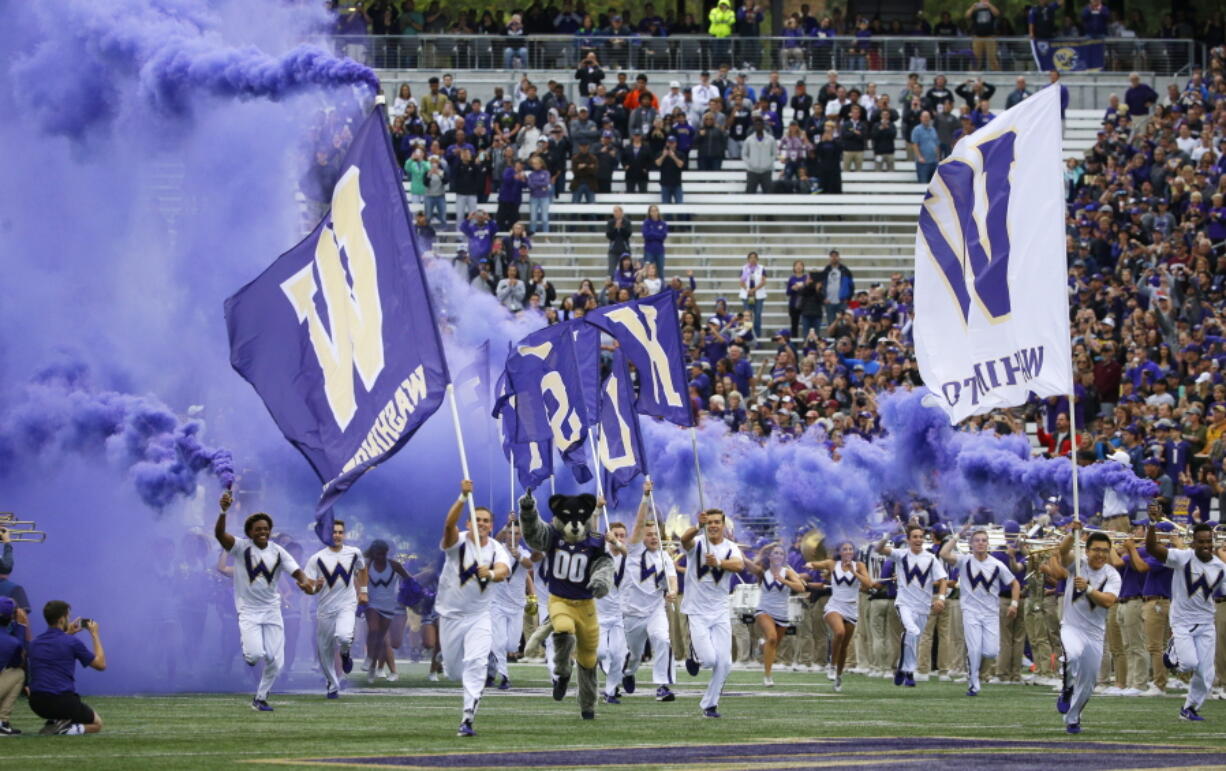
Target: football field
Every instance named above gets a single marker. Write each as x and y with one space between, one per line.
800 723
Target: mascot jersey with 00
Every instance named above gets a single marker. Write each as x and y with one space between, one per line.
570 565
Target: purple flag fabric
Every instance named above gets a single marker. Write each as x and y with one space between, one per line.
555 376
649 333
338 335
533 461
620 445
472 383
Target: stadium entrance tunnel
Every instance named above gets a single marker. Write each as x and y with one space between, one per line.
849 752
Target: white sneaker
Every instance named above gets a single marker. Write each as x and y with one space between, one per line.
769 682
433 677
371 677
838 684
830 673
993 680
960 679
392 677
1153 690
1176 685
922 678
1100 689
945 678
1130 692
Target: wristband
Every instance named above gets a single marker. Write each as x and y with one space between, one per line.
941 597
1013 603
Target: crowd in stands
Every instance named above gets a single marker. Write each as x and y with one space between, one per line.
732 34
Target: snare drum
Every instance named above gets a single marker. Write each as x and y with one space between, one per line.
744 602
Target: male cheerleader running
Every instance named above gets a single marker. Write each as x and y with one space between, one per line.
336 570
712 561
919 572
472 561
981 577
651 578
259 564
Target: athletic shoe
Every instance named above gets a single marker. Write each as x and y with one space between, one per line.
909 682
1153 690
972 692
663 694
692 667
1130 692
52 727
586 715
1073 728
260 705
1064 701
346 662
993 680
7 729
710 712
76 729
1175 684
838 683
628 683
372 675
559 687
831 673
1112 691
504 684
610 699
899 676
1189 713
433 677
921 677
334 694
489 681
768 682
466 729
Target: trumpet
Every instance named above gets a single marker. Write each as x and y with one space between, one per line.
20 530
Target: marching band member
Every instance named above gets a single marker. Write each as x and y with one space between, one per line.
472 561
981 575
1132 569
337 571
919 573
771 617
1093 590
1198 573
1011 618
258 602
507 604
712 559
651 579
874 626
611 649
846 577
1155 613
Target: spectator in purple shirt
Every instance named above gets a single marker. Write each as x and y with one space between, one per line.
479 231
14 637
53 656
655 233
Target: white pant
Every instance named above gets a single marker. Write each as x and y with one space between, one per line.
711 645
913 623
639 629
508 627
1192 649
542 616
611 653
982 635
333 634
263 641
466 641
1082 657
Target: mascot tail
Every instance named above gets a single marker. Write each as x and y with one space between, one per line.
538 637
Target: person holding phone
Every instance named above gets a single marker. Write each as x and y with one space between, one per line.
51 656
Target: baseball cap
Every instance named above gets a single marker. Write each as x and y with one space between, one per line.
672 138
607 133
674 84
1151 462
1012 527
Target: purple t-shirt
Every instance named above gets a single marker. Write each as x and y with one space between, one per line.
52 657
1157 580
1132 581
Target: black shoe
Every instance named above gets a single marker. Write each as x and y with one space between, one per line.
466 729
346 662
53 727
586 715
628 683
559 687
692 667
6 729
505 684
489 681
710 712
663 694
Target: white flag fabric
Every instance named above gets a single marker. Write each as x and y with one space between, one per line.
991 297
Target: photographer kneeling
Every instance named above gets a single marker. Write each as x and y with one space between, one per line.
52 657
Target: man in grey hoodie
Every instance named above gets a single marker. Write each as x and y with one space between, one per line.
759 151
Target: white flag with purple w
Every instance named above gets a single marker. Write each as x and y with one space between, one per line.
991 298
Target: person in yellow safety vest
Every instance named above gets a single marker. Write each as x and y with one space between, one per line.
722 17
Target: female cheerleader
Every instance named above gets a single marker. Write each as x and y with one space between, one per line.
846 577
385 616
778 582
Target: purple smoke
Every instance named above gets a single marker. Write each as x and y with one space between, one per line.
90 53
60 414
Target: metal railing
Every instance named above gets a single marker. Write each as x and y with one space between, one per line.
695 52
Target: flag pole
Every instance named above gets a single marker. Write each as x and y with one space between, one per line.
1072 421
459 438
591 432
702 503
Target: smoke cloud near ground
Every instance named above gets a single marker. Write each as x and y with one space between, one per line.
155 149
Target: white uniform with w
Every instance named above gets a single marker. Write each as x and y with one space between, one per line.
643 590
336 605
258 602
706 606
507 614
1193 636
1082 628
611 648
917 575
980 582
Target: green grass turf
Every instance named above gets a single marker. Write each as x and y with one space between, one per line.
412 715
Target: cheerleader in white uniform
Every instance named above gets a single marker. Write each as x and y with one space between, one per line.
778 582
385 616
846 577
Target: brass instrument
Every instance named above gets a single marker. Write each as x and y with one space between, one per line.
20 530
813 545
